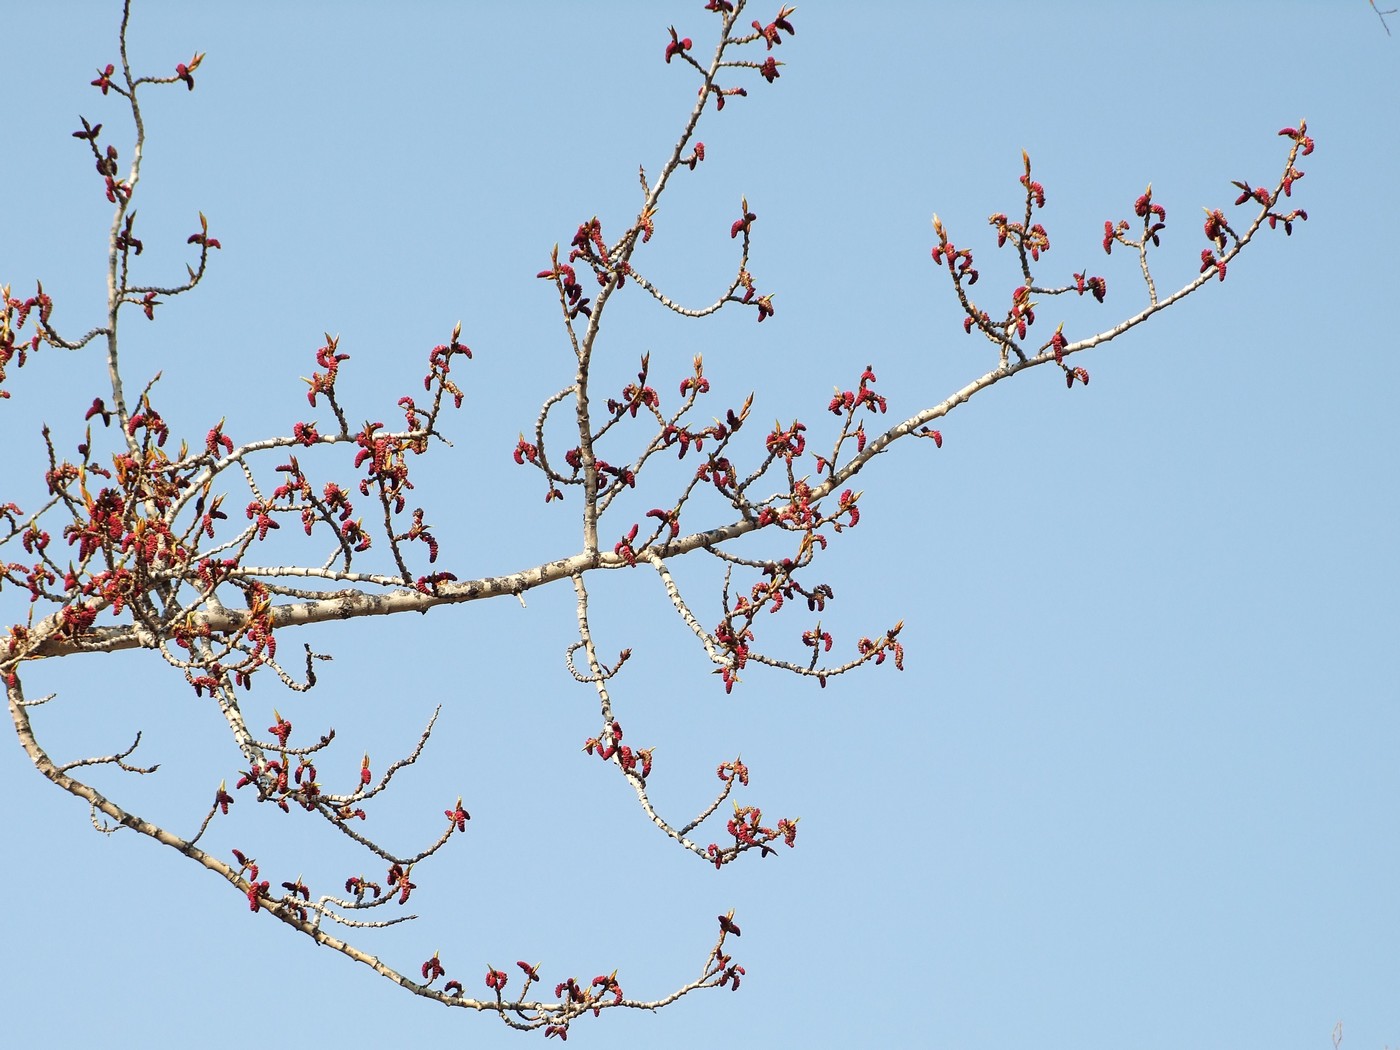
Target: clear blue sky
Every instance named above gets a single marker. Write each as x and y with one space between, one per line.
1137 786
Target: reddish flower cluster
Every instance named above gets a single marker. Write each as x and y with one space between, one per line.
327 358
281 730
1154 216
256 891
575 993
398 879
624 549
567 279
697 383
735 642
359 886
736 770
439 365
603 470
847 401
677 46
1022 309
746 826
731 974
1216 227
149 420
634 763
588 245
526 452
1034 190
105 525
419 531
787 443
889 644
959 260
1096 286
847 504
782 585
104 79
638 395
385 456
1287 220
13 315
720 472
429 584
769 32
185 71
744 223
201 238
722 93
127 243
1302 138
1032 241
433 969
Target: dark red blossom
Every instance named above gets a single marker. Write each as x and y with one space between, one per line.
735 770
255 893
1216 227
731 974
1034 190
623 549
186 72
745 223
433 968
398 879
1298 134
526 452
677 46
217 439
457 815
99 409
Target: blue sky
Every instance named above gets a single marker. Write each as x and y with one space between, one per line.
1137 784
